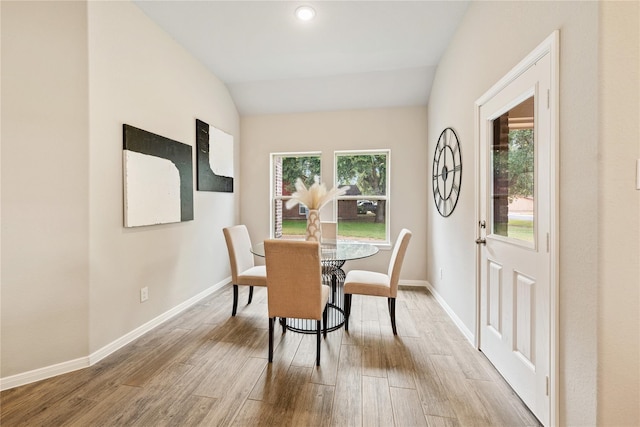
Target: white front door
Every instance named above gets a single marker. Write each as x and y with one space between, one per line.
514 213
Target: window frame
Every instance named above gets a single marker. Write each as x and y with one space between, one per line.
386 197
272 185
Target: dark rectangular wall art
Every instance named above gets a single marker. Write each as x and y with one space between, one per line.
214 158
158 179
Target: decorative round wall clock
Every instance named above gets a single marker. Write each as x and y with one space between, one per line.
447 172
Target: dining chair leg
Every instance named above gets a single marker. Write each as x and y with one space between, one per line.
324 322
334 287
250 294
317 343
283 321
347 310
235 300
271 321
392 312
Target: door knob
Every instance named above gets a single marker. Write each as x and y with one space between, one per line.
481 241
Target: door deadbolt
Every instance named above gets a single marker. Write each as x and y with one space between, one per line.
483 225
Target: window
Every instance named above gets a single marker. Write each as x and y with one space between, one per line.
286 168
363 212
512 169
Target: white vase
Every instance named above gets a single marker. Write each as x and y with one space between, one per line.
314 228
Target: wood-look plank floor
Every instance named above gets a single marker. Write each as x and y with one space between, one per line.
206 368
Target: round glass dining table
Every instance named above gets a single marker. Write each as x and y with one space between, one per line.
341 251
333 257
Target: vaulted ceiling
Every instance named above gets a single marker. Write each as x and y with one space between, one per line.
352 55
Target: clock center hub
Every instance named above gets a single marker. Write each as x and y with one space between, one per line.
445 172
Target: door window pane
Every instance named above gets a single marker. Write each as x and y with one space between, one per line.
513 174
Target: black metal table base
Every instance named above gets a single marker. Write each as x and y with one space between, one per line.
332 275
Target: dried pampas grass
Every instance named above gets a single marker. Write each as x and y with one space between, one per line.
315 197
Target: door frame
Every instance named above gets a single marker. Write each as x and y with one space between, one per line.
551 46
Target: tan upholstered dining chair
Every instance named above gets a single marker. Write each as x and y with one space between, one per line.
378 284
294 286
243 269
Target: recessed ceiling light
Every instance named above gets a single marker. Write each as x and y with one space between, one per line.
305 13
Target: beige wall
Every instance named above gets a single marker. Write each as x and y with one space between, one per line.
619 223
45 183
140 76
403 130
71 272
493 38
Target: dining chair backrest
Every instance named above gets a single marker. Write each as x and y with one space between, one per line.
239 247
294 279
397 257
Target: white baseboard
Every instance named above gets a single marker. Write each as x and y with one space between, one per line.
116 345
43 373
414 283
84 362
456 320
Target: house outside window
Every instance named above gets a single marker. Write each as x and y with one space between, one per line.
286 168
363 212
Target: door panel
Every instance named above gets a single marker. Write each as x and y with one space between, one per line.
494 309
514 203
525 312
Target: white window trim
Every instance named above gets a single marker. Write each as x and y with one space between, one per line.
387 197
272 196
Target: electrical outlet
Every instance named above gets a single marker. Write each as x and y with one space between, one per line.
144 294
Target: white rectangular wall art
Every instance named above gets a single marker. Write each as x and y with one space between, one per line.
158 179
214 159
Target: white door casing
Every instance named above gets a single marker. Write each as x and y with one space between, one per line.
516 274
